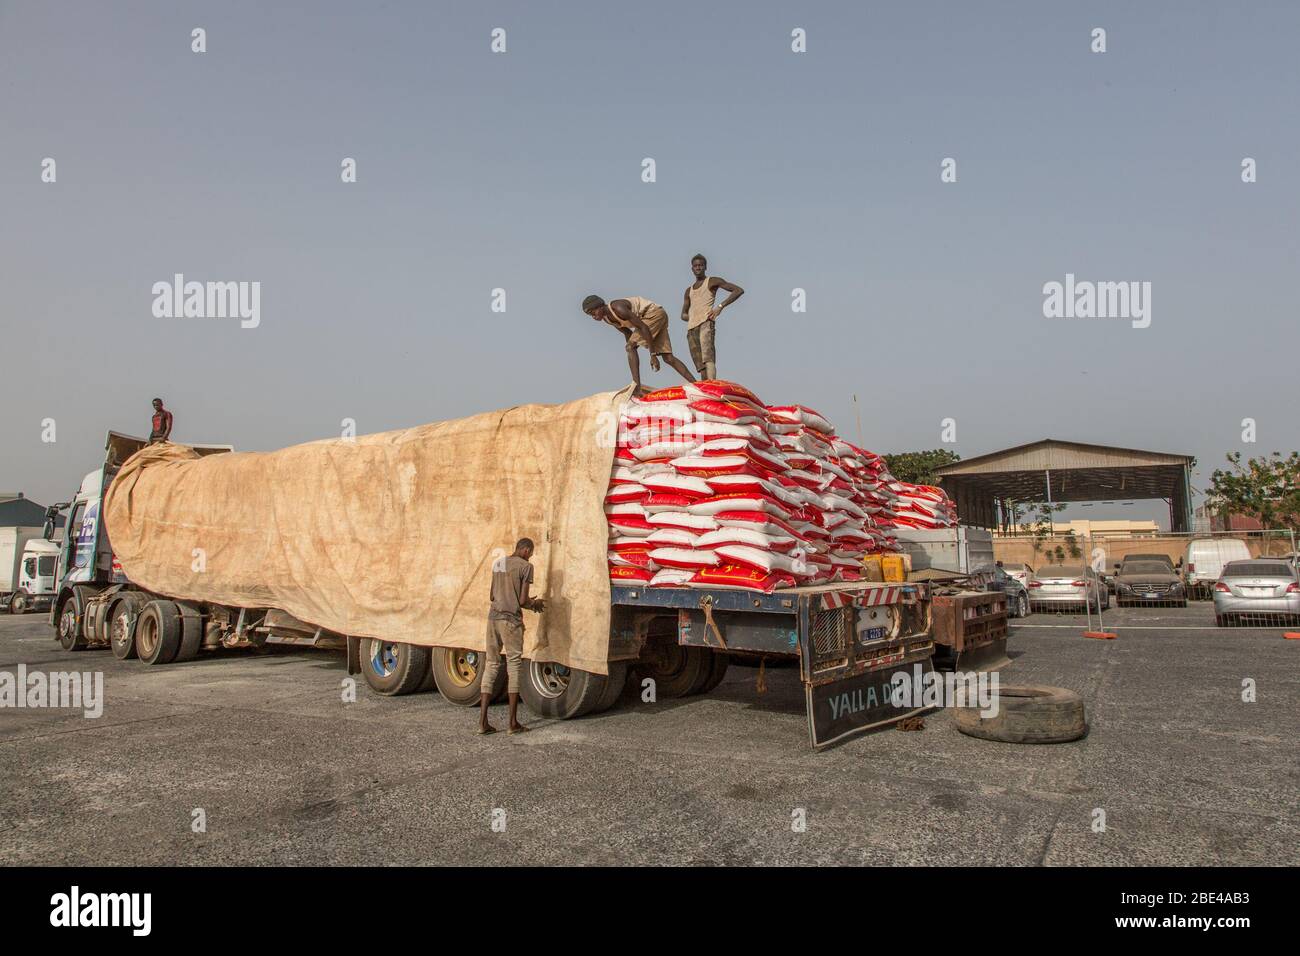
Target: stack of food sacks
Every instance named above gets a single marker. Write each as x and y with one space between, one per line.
713 489
923 506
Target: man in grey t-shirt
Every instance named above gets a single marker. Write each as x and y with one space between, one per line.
511 577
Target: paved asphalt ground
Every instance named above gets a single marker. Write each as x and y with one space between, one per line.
289 774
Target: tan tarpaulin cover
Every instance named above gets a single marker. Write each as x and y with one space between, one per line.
389 535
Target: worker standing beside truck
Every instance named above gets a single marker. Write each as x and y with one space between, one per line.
161 429
511 577
643 323
699 313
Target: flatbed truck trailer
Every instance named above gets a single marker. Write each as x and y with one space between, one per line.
849 639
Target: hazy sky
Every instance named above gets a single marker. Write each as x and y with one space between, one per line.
522 170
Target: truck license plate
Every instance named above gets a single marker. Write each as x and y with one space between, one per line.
873 634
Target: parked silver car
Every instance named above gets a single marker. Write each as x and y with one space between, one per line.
1060 586
1262 589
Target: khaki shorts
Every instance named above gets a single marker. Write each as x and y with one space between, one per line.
657 323
703 353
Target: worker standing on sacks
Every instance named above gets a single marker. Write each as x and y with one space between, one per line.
699 313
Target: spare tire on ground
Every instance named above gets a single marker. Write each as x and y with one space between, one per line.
1028 715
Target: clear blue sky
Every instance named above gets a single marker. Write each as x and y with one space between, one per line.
522 171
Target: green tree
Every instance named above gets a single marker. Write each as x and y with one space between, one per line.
918 467
1265 488
1042 527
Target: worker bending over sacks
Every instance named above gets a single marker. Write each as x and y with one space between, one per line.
511 576
699 313
643 323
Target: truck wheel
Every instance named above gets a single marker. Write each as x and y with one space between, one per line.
392 669
72 618
614 684
717 671
458 672
553 690
191 633
18 603
158 632
676 670
122 618
1028 715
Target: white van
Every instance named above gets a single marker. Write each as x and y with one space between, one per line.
1207 556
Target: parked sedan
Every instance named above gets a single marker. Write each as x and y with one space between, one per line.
1062 586
1263 587
1148 582
1021 572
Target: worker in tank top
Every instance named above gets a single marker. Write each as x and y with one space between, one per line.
644 324
699 313
161 423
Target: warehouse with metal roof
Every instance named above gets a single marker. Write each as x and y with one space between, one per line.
985 488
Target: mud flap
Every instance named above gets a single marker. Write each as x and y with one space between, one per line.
988 657
838 709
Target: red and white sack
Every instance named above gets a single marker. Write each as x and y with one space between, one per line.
672 483
665 501
672 538
688 558
632 559
735 578
629 526
762 560
681 520
727 391
757 521
748 537
672 578
624 575
740 502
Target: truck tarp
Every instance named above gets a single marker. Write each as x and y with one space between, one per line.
390 535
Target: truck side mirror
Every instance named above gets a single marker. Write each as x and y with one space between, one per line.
51 517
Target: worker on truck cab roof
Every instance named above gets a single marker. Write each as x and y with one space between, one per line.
511 576
644 324
161 429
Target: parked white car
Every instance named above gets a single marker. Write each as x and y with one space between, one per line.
1206 559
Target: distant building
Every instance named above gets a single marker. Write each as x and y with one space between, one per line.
1090 528
19 512
1207 521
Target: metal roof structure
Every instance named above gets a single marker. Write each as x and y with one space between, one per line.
1056 470
21 513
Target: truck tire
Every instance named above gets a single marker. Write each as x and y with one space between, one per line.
72 617
158 632
676 670
615 682
458 674
562 693
122 618
1028 715
393 669
717 671
191 633
18 603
